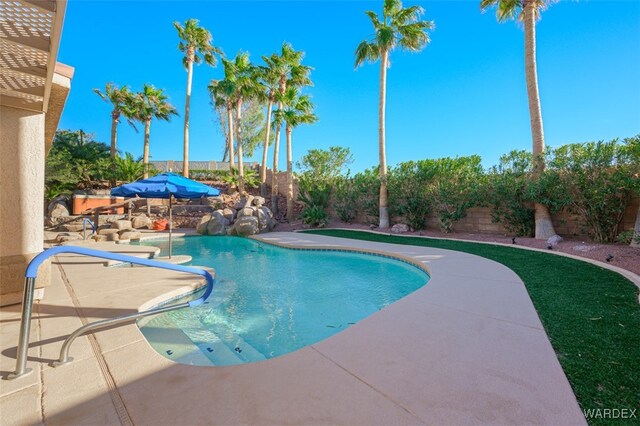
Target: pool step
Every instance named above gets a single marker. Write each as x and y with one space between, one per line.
222 350
174 344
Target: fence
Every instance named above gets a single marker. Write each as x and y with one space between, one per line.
176 166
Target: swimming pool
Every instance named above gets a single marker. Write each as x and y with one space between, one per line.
269 301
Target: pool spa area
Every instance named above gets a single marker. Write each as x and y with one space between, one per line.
268 300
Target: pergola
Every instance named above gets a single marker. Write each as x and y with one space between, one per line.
29 38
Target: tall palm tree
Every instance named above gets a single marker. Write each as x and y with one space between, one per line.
195 43
290 71
401 27
298 110
122 100
151 103
242 74
528 11
270 79
222 96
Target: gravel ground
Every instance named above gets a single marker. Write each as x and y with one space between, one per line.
624 256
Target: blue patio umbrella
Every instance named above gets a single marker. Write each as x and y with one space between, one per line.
166 185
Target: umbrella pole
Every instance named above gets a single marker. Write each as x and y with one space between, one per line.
170 227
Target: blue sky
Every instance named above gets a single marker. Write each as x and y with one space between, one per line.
464 94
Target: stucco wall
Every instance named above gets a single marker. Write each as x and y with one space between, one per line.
21 194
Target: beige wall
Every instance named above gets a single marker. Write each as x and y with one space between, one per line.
21 194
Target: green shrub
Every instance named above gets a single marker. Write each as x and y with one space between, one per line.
595 180
231 177
345 199
507 193
366 191
408 186
455 187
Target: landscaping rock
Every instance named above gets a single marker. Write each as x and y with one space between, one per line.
554 241
229 214
74 227
258 201
246 225
113 237
201 228
121 224
265 218
247 200
400 228
108 231
217 225
129 234
247 211
68 236
58 206
142 221
58 209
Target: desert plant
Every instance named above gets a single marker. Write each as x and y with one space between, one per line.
315 216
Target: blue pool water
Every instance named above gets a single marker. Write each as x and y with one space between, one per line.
270 301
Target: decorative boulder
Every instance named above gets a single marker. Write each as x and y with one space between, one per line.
244 226
258 201
58 209
202 226
265 219
247 200
554 240
113 237
129 234
67 236
229 214
121 224
400 228
247 211
107 231
217 225
141 221
74 227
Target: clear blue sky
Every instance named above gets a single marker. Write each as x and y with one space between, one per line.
464 94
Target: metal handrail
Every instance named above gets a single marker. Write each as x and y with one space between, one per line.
27 301
84 227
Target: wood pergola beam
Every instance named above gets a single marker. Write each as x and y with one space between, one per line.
44 5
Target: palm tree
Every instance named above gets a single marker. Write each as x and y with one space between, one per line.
298 110
222 96
242 75
402 27
122 100
195 43
151 103
529 12
270 79
290 71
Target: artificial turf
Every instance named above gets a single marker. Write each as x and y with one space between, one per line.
591 315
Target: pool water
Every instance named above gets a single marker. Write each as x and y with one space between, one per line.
268 301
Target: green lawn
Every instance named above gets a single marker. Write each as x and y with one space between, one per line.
591 316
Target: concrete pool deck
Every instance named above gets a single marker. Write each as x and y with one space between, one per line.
467 348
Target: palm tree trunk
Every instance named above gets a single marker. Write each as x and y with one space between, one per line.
263 166
185 160
544 225
115 118
289 176
239 138
232 161
384 211
274 171
145 153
